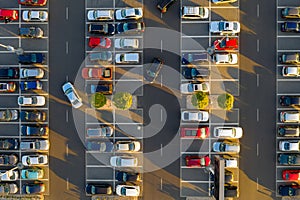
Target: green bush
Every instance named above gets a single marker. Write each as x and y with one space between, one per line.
98 100
122 100
200 100
226 101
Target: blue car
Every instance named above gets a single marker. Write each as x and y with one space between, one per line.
33 188
101 146
289 190
32 174
33 116
31 58
30 85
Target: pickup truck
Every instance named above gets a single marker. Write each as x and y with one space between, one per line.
105 29
189 58
106 88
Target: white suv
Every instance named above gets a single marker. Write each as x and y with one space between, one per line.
226 58
194 12
228 132
127 58
128 190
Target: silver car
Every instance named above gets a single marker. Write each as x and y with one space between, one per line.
32 145
72 95
126 43
129 13
35 15
123 161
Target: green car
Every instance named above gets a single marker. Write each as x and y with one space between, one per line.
32 174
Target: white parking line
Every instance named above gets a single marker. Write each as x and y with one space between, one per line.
67 13
67 183
257 114
257 149
161 150
161 78
67 115
257 45
161 115
67 78
257 80
257 10
288 36
67 47
257 183
161 45
67 149
161 184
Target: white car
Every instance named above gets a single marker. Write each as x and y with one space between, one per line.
31 145
228 132
9 175
226 58
291 71
127 146
225 27
33 160
128 190
72 95
231 162
31 101
194 12
190 88
31 73
101 15
290 116
126 43
35 15
123 161
129 13
289 145
127 58
197 116
222 1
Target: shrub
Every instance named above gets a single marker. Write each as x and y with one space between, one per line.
98 100
122 100
226 101
200 100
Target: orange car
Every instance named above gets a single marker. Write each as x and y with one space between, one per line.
32 2
97 73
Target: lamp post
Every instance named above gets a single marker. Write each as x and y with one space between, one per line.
18 51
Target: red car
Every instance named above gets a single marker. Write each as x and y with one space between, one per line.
198 132
226 44
32 2
9 15
291 174
102 42
97 73
197 161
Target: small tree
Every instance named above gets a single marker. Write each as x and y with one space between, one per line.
122 100
200 100
226 101
98 100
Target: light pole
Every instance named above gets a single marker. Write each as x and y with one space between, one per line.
18 51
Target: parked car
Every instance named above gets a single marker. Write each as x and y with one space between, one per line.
123 161
228 132
72 95
31 32
226 44
34 130
32 173
102 131
101 73
195 73
31 58
126 43
11 72
34 72
224 27
163 5
31 100
30 85
9 15
129 13
8 188
291 12
197 132
9 175
33 116
230 162
291 174
197 161
222 1
100 146
289 190
32 2
104 88
100 15
8 160
198 116
226 58
228 176
105 29
291 71
289 100
190 88
102 42
289 145
152 70
226 147
290 58
290 27
9 144
33 145
101 57
290 116
35 15
33 160
288 131
7 86
33 188
288 159
127 176
194 12
190 58
130 27
97 188
128 145
127 58
128 190
9 115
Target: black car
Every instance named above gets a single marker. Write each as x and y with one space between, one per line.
152 71
98 189
33 188
290 27
163 5
31 32
100 146
11 73
195 73
288 131
6 160
289 159
289 100
9 144
33 116
31 58
131 27
105 29
31 130
289 190
127 176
